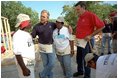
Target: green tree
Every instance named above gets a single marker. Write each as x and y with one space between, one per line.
100 9
70 15
10 10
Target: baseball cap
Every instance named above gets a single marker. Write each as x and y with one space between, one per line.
89 57
20 18
60 19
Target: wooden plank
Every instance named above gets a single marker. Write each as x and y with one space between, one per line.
5 28
10 39
3 37
3 17
7 40
6 32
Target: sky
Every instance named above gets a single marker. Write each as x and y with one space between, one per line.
55 8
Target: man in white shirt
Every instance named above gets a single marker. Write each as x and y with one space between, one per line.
23 47
106 65
64 46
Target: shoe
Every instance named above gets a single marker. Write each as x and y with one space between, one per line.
109 52
76 74
101 54
39 75
64 73
86 76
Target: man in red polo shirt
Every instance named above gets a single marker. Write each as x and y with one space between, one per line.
88 25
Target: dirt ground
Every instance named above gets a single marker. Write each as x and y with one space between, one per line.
8 67
10 71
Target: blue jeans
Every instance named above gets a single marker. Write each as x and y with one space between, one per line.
104 40
81 64
65 62
48 60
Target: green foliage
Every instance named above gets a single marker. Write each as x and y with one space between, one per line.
70 16
10 10
97 7
100 9
52 20
115 6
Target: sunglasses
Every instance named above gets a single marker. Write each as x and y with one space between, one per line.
58 32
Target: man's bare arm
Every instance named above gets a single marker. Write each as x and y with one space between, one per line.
26 71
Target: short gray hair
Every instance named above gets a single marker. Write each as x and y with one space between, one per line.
45 11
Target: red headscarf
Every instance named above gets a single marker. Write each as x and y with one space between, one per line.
24 24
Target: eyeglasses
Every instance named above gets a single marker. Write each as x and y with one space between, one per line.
58 31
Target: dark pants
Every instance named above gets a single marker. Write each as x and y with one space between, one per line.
81 65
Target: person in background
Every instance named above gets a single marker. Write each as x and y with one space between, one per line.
23 47
64 49
113 18
106 36
88 25
106 65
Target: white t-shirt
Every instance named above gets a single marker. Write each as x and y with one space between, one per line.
23 44
61 41
107 66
